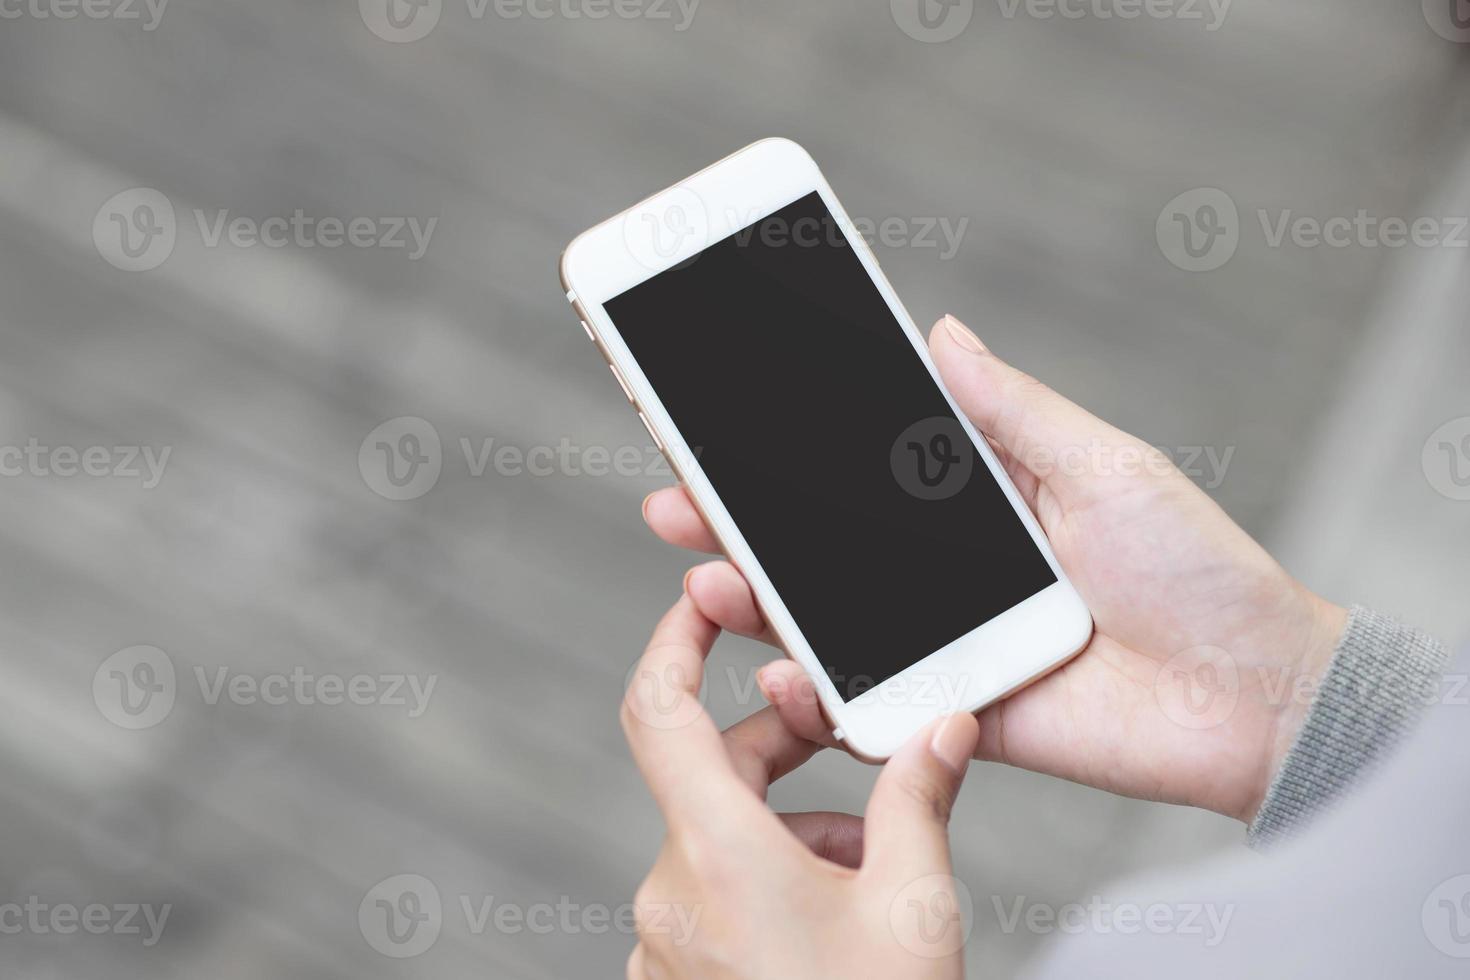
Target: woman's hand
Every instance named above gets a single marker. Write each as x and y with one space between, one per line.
740 891
1206 650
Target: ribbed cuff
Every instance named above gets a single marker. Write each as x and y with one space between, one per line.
1380 680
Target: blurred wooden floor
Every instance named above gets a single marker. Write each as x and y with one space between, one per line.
528 597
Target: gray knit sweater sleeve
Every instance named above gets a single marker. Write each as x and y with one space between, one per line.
1381 678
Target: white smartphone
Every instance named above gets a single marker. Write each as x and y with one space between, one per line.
749 325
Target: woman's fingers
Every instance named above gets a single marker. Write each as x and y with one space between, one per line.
762 749
721 594
907 827
1058 441
672 516
787 687
676 744
717 588
835 837
724 597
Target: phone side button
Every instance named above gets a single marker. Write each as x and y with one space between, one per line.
621 383
839 734
653 435
588 330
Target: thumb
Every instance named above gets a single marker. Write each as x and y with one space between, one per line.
907 822
1044 432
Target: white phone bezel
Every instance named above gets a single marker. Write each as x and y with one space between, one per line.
996 658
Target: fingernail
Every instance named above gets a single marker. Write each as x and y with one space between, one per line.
951 744
687 576
963 335
765 679
644 508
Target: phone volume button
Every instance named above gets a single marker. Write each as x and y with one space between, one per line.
652 435
587 330
621 383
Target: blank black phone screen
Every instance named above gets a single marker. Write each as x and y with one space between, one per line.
829 442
